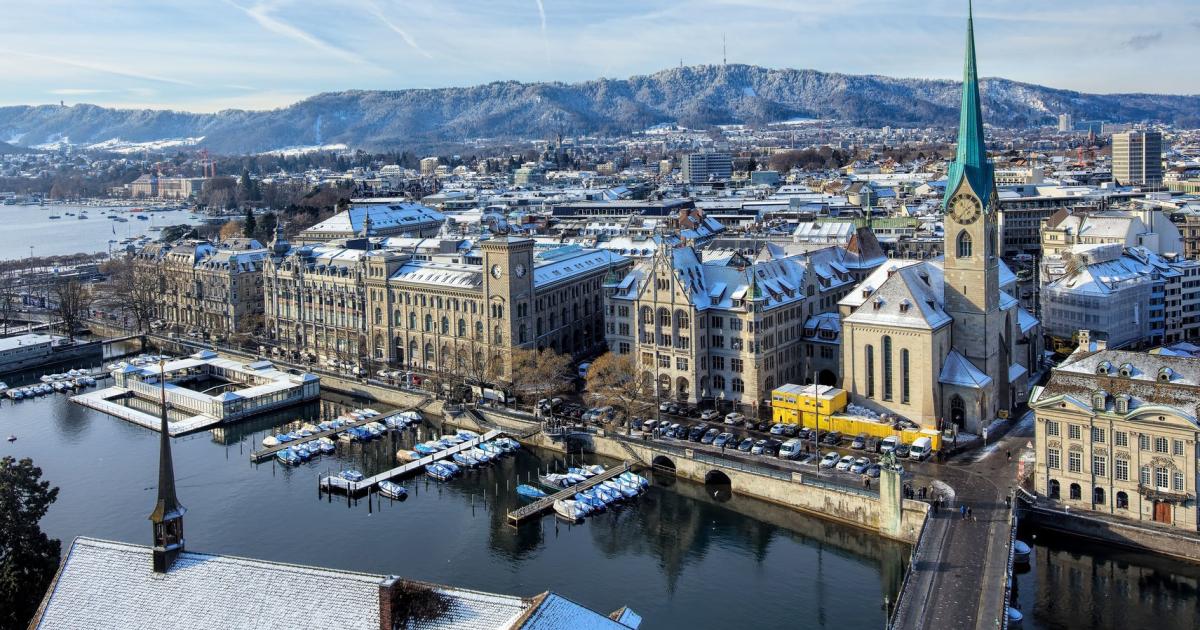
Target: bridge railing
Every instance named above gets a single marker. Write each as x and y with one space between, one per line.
742 466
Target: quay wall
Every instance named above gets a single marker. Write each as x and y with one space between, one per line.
1181 545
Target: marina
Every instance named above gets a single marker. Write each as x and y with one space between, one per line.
541 506
336 482
271 451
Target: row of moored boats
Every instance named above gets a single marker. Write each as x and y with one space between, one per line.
467 458
51 383
593 500
303 446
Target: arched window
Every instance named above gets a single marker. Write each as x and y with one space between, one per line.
497 336
538 327
718 382
378 316
870 371
479 331
445 325
887 367
428 323
1052 489
1076 492
1122 501
412 321
904 376
682 320
664 317
964 245
521 334
428 355
462 327
739 385
1098 496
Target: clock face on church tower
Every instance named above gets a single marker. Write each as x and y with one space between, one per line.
965 209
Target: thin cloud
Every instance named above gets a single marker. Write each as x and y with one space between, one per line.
78 91
261 14
542 15
97 67
374 9
1143 41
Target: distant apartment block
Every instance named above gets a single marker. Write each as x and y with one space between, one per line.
700 168
429 165
1137 158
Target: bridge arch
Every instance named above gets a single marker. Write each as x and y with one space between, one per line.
717 478
664 464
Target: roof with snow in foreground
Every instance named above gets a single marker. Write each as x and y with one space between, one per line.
103 584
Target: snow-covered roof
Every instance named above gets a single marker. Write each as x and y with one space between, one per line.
907 293
957 370
391 218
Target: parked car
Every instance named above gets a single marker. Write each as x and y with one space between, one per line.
709 414
845 462
724 440
921 448
804 434
697 432
734 418
709 436
859 442
691 412
648 426
790 449
830 460
833 438
635 424
903 450
873 471
746 445
758 447
772 448
777 429
680 431
791 430
888 444
860 465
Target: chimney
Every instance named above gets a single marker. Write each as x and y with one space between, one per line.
387 587
1085 340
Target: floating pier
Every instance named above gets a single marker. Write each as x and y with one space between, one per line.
535 509
334 482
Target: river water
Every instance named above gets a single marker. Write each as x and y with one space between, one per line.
676 556
26 225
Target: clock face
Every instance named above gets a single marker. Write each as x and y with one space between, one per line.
496 271
965 209
520 271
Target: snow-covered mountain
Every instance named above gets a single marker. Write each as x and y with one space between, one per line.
697 96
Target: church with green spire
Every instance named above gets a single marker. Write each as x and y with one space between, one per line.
944 342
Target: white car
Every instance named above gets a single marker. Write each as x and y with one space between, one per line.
830 460
734 418
845 463
709 414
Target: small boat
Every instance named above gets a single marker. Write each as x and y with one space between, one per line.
15 394
463 460
480 455
604 494
425 448
633 479
407 456
286 456
1021 552
373 430
583 472
453 468
556 480
351 475
12 438
324 425
304 433
589 501
453 439
303 452
326 445
393 490
270 440
438 471
530 492
568 510
467 435
508 444
594 469
574 478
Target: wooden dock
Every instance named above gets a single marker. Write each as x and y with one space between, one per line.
334 482
535 509
269 452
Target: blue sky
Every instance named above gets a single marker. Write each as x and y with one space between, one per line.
206 55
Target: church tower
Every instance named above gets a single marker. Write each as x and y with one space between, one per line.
972 265
167 517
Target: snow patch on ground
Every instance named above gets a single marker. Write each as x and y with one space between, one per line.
118 145
315 148
944 490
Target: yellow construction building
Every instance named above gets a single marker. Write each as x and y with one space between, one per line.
822 407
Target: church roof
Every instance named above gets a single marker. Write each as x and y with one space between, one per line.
970 161
907 293
957 370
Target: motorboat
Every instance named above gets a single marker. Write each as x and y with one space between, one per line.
305 433
581 472
464 460
530 492
575 478
508 443
1021 552
480 455
15 394
608 496
453 439
286 456
303 452
351 475
438 471
594 469
393 490
454 469
588 500
427 448
311 428
270 441
569 510
326 445
284 437
637 480
467 435
407 456
372 430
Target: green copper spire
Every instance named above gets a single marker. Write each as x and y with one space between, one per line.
971 159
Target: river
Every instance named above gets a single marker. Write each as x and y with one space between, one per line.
31 225
676 556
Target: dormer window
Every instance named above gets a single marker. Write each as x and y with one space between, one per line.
1122 403
905 305
1104 369
1166 374
878 303
1099 400
1126 370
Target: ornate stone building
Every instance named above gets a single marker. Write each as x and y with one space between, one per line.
944 340
205 287
438 305
716 327
1117 433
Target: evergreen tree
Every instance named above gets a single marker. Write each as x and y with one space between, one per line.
250 224
28 558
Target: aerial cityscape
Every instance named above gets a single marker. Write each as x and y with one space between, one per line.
419 320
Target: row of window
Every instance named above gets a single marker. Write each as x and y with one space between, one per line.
1120 438
888 392
1164 478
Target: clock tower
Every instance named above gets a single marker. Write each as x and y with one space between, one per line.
508 285
970 210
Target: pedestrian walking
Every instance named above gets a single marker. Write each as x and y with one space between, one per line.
1009 454
935 506
1007 501
969 514
866 482
962 510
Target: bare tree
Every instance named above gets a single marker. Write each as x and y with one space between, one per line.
71 299
133 289
613 380
9 297
539 374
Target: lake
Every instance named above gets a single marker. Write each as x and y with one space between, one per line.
26 225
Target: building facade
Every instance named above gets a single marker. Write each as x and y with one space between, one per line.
204 287
700 168
1117 434
1137 158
